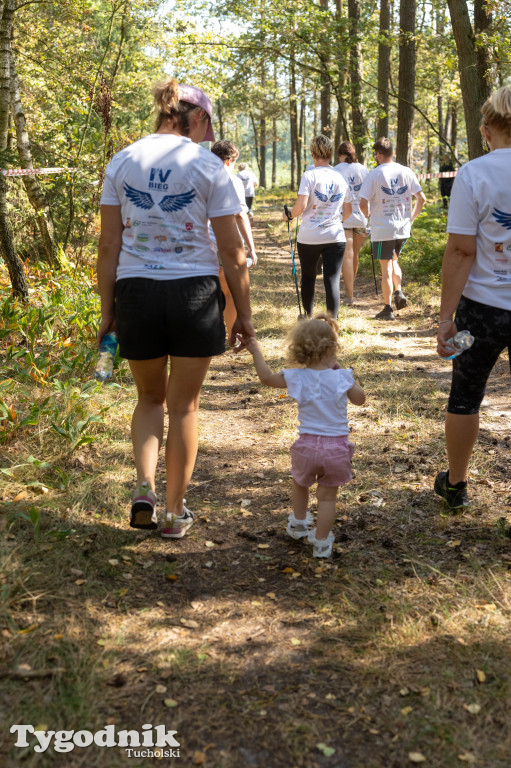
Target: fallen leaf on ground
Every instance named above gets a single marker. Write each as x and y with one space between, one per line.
416 757
474 709
481 677
170 703
190 623
263 546
327 751
198 758
467 757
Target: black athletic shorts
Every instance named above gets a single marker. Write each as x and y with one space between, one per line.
182 318
491 329
384 250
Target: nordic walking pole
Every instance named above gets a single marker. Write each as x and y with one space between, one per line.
288 216
374 275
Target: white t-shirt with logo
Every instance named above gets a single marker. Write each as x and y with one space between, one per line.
322 398
247 179
168 187
481 206
389 189
322 219
240 193
354 174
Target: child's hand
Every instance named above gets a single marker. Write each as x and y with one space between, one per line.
253 345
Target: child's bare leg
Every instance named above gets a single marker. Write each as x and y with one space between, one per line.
327 510
299 500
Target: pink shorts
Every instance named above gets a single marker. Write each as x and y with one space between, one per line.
326 460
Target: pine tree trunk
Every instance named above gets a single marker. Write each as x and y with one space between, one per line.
405 110
274 155
13 262
473 75
384 69
325 97
293 124
32 186
301 133
358 122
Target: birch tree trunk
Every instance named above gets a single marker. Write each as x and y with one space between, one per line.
13 262
32 186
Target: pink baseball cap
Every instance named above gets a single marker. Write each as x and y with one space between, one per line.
193 95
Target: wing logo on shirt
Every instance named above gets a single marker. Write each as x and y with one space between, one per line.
502 218
169 203
324 198
398 191
356 187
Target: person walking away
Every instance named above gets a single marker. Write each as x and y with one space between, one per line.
476 285
159 288
324 202
322 453
388 190
355 228
249 183
228 154
446 184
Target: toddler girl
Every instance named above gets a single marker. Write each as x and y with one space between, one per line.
322 452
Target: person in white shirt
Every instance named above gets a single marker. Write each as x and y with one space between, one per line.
324 202
355 228
388 190
159 288
228 154
323 451
249 183
476 285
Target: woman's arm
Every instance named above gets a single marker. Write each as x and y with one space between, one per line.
110 243
298 208
245 230
347 210
263 369
459 256
234 262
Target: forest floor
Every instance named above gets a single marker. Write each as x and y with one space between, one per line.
396 652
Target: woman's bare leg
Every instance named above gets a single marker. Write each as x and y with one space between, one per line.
348 270
147 421
185 382
229 310
358 242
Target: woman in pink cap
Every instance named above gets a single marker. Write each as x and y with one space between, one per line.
159 288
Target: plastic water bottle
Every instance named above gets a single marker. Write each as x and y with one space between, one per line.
460 342
250 261
107 352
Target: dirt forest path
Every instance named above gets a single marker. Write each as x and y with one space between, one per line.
397 651
280 659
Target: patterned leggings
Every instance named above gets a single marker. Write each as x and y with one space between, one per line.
491 329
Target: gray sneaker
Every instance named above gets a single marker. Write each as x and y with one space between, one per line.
175 527
400 299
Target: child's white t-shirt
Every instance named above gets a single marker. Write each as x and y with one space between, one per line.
481 205
353 174
322 219
322 398
168 187
389 189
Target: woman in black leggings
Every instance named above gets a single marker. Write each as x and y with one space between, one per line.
324 202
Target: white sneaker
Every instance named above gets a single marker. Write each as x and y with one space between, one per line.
175 527
321 547
298 529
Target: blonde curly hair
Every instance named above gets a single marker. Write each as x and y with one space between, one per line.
496 110
311 340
